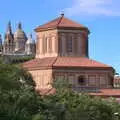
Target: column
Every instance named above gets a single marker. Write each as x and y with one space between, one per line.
63 45
53 45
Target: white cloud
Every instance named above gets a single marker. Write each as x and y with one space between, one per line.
94 7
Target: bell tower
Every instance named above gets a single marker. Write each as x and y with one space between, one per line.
8 40
62 37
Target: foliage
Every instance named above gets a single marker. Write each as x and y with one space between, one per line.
19 100
69 105
21 59
14 77
1 59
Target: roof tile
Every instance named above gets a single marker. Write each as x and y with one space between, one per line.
60 22
78 62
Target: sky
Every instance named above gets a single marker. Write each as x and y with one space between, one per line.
102 17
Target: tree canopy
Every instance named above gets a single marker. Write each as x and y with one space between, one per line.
20 101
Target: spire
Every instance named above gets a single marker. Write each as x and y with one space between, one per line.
30 40
9 29
19 25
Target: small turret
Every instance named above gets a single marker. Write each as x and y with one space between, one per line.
8 46
9 29
20 39
9 35
30 46
19 25
30 40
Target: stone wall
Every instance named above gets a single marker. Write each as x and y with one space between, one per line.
53 43
92 78
79 43
47 44
42 78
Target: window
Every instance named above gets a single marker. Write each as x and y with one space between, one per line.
70 45
81 80
102 80
92 80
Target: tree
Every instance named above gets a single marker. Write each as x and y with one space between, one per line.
20 101
69 105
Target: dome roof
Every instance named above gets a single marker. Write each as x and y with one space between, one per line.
20 33
30 40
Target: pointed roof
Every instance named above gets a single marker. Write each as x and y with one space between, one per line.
9 28
9 34
60 22
30 40
19 25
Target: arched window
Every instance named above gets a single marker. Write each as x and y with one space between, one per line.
81 80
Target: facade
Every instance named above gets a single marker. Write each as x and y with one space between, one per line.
14 44
62 53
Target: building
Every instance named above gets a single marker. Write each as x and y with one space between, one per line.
117 81
62 52
15 44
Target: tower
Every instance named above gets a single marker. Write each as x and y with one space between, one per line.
62 53
8 47
20 39
62 37
30 46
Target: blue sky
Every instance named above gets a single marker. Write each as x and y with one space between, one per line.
102 17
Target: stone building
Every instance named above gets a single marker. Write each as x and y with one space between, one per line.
8 47
30 46
62 52
14 44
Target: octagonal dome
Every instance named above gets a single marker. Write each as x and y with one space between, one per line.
20 34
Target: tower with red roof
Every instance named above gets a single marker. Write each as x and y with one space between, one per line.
62 53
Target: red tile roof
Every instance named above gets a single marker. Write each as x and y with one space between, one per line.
39 63
107 93
77 62
67 62
60 22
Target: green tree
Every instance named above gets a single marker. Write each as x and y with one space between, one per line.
20 101
69 105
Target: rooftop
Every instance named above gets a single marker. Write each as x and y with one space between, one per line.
67 62
60 22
